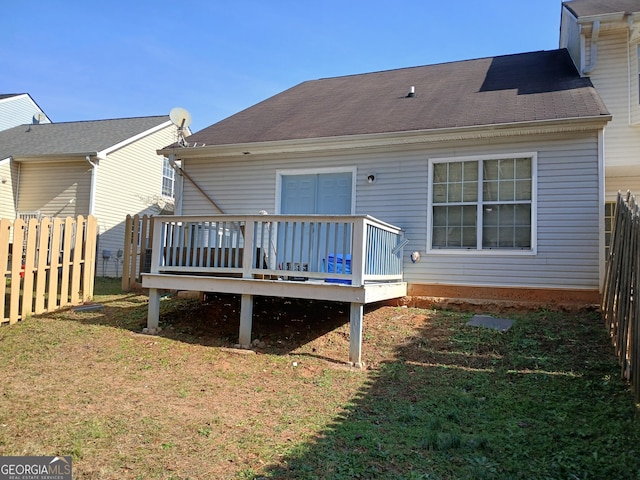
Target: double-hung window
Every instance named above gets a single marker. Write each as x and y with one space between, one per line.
168 178
482 203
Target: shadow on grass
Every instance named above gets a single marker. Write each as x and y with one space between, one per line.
542 401
279 325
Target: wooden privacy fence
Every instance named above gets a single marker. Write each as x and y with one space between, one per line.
45 265
620 303
137 249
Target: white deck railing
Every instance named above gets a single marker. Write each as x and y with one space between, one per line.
349 249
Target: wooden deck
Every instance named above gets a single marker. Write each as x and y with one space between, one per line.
345 258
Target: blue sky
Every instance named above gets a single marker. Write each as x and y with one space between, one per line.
85 60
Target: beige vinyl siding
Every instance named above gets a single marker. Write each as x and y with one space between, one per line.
57 189
616 79
8 185
634 85
17 110
621 184
129 181
567 220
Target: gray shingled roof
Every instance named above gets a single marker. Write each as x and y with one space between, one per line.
502 90
69 138
587 8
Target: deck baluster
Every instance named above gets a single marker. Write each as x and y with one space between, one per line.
247 255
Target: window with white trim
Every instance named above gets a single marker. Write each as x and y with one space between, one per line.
482 203
168 178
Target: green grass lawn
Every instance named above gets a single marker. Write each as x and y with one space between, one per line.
439 400
543 401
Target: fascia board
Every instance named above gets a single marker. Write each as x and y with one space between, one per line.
128 141
391 138
8 99
64 157
38 107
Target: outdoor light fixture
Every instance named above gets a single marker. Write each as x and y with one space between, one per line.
371 178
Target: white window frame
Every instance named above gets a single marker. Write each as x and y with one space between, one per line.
166 162
314 171
478 250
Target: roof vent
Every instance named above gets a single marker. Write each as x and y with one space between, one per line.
412 92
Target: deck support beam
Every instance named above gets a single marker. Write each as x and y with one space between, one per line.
356 296
246 320
153 313
355 335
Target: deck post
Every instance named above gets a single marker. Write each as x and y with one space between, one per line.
246 314
246 300
355 335
153 312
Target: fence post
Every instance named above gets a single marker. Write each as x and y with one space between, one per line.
16 264
5 235
620 306
144 232
126 284
77 260
634 333
29 264
55 267
41 269
66 259
90 257
134 249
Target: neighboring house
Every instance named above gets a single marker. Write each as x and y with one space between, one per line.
106 168
19 108
493 168
15 109
603 38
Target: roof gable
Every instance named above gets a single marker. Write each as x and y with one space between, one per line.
73 138
502 90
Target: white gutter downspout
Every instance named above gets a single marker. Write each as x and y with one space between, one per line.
15 200
94 178
178 187
595 33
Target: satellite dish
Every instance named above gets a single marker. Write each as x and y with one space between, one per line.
38 117
180 117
